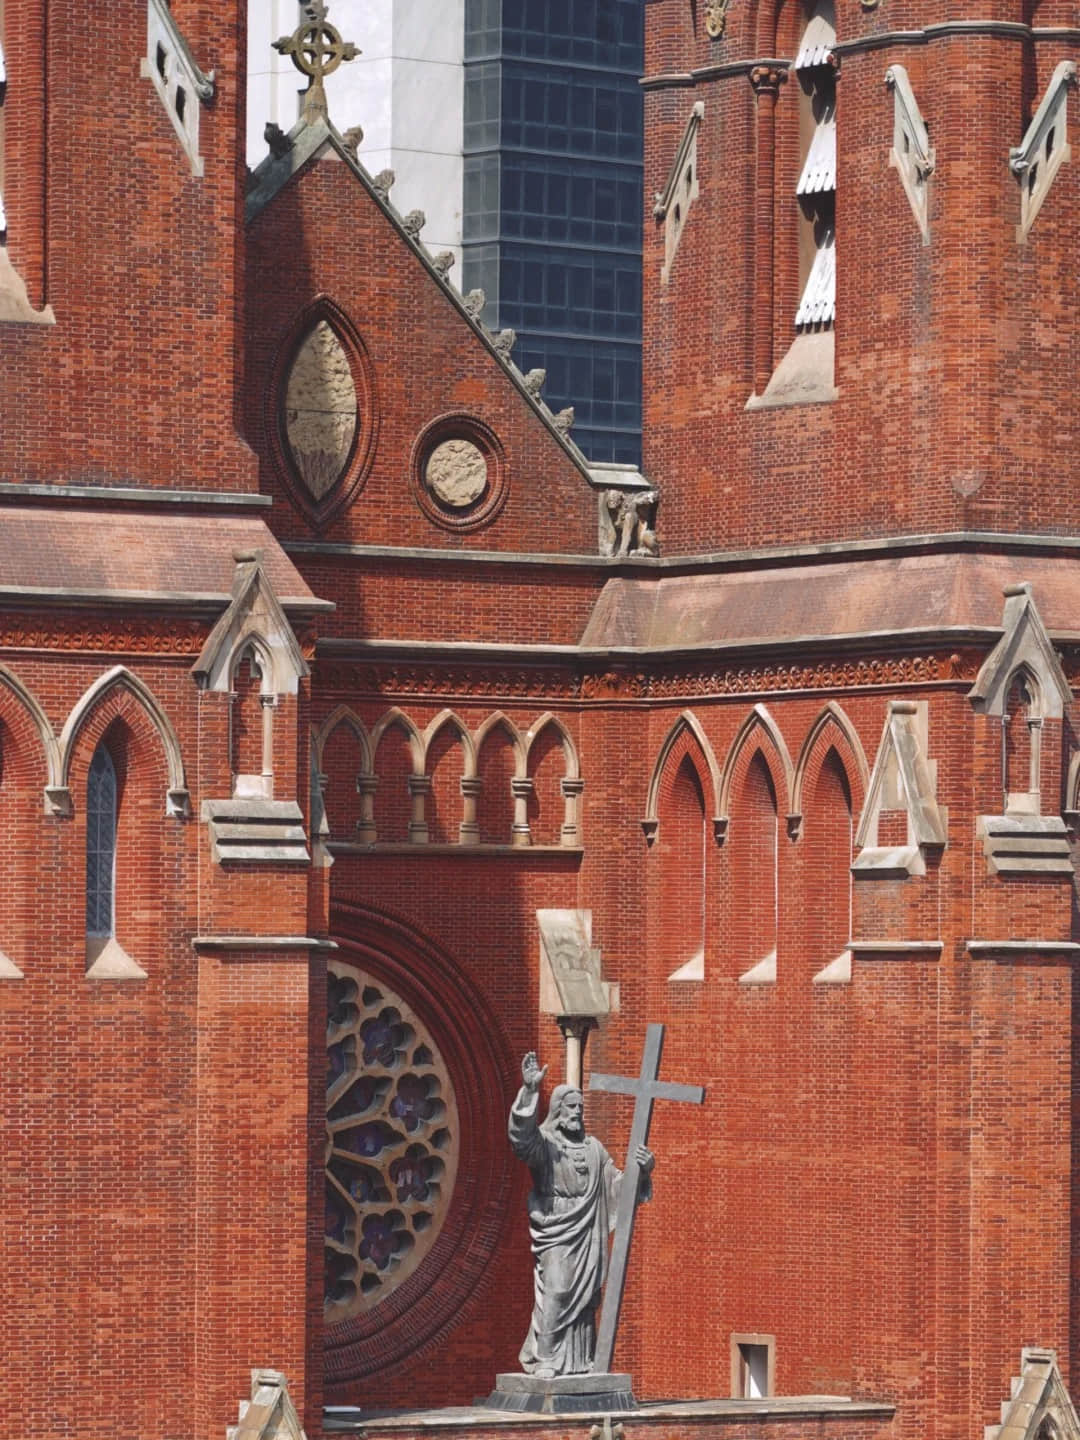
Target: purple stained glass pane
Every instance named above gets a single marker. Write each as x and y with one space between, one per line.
412 1104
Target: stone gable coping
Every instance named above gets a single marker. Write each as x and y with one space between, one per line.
304 141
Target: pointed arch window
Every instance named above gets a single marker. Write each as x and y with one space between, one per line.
1021 737
101 817
815 69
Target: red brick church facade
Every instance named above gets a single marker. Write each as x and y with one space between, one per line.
298 735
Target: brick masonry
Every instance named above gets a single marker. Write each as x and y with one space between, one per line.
883 1174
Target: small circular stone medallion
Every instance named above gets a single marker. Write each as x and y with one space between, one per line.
456 473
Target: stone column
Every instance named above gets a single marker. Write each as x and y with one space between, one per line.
766 81
419 789
571 787
575 1029
469 829
267 702
521 787
366 785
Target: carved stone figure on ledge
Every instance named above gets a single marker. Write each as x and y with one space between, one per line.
626 522
572 1208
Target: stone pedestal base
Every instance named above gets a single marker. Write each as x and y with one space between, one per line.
561 1395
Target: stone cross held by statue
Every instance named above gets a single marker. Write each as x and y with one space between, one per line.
645 1088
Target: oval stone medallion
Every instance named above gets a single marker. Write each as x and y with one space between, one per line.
320 410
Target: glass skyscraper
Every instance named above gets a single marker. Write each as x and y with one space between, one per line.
553 200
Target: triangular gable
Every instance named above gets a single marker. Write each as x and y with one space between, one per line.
903 779
308 139
1040 1407
254 614
1024 645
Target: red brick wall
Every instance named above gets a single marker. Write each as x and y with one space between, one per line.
974 315
839 1180
140 260
136 1237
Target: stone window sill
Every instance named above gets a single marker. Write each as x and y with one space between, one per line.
805 376
106 959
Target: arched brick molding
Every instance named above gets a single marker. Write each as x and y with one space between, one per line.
108 691
398 760
835 721
29 763
342 771
414 1317
678 865
26 716
450 764
553 767
751 863
114 712
830 790
502 804
686 725
682 792
759 732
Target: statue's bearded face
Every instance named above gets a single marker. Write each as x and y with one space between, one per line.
571 1119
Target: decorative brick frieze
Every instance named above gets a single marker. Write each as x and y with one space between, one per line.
84 630
664 682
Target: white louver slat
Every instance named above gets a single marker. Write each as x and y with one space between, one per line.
818 43
818 304
819 172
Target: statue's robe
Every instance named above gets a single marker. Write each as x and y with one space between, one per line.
572 1208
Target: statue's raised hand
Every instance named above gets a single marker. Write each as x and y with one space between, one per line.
531 1074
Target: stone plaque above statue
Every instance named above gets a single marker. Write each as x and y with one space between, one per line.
570 977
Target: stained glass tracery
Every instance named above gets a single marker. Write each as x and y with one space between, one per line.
392 1139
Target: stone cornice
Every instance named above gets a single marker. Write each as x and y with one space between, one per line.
134 495
27 597
963 29
825 552
944 30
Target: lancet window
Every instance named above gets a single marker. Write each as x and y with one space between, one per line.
815 71
101 816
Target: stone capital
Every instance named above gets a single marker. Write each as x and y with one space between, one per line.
767 79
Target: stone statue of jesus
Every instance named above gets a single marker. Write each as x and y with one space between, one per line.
572 1208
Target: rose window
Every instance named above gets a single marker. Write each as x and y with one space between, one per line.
392 1142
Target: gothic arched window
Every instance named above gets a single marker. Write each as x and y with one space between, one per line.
101 812
815 71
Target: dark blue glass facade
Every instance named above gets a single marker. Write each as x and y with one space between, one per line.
553 200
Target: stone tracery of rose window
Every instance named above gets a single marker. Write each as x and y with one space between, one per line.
391 1145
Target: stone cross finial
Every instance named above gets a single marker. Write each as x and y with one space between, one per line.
317 49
